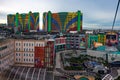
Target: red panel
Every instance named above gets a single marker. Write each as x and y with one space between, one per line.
39 56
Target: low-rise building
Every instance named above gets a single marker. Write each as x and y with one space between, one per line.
25 51
34 53
75 41
60 43
50 54
6 53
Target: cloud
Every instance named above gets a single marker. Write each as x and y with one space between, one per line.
99 12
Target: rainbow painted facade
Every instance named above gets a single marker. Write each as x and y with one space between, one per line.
62 22
24 22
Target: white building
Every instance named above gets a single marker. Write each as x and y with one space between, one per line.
24 51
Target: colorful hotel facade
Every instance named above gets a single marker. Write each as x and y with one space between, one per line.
24 22
62 21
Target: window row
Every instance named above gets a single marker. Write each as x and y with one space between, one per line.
17 44
25 54
25 49
17 49
28 54
28 60
18 59
18 54
30 44
25 60
28 49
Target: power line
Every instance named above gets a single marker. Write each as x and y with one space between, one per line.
115 14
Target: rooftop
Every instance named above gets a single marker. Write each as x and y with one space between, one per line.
27 73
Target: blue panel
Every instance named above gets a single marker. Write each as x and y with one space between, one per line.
56 24
71 22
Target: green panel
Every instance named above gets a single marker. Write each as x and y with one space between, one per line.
78 25
49 21
101 38
16 20
91 39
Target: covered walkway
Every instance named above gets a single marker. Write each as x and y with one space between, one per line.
26 73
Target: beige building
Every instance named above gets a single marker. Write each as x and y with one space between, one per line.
24 51
6 53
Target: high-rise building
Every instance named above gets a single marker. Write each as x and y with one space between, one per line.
24 22
62 21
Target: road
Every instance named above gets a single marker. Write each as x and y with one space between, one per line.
60 69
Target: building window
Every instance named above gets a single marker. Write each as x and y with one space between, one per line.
29 49
16 54
19 44
29 44
26 54
16 44
32 60
24 59
29 54
24 44
16 49
19 49
24 49
36 44
32 55
16 59
32 44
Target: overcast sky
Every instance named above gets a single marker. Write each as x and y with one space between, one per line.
96 13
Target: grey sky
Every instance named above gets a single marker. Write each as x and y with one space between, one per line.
96 13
